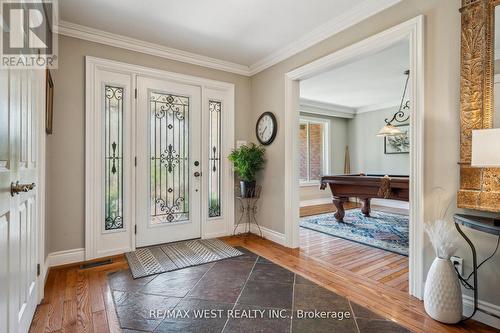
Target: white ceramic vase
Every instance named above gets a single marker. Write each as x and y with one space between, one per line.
443 295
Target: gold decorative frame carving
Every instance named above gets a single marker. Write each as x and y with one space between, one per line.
479 187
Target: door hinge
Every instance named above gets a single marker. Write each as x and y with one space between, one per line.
37 269
135 93
135 161
135 229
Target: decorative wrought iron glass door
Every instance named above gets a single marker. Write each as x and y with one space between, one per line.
168 161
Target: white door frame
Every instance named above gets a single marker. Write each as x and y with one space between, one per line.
413 30
213 227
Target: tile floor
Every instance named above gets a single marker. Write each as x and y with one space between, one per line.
233 288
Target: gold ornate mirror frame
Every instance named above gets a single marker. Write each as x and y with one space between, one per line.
479 187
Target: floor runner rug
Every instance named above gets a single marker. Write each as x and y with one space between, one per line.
170 257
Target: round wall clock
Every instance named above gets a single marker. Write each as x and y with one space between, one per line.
266 128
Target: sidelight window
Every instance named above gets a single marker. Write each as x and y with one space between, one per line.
113 161
214 176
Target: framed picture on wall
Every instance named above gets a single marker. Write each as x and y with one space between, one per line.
398 144
49 102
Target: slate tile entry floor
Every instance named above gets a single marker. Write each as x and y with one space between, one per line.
232 288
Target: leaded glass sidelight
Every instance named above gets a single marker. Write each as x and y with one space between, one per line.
169 116
113 162
214 186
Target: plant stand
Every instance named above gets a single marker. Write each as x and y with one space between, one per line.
248 210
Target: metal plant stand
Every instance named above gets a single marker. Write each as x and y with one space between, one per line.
248 210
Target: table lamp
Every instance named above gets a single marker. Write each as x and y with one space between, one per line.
486 151
486 148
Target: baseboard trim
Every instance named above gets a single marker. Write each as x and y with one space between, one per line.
269 234
390 203
485 318
216 235
65 257
314 202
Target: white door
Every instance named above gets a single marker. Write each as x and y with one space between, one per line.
18 225
168 161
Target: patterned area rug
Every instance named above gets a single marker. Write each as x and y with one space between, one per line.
170 257
382 230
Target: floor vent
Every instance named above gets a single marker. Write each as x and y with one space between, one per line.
96 263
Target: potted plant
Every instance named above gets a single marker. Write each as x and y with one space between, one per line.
247 161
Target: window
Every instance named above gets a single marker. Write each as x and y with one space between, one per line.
214 177
113 158
313 149
169 157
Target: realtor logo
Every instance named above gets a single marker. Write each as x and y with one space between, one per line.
28 39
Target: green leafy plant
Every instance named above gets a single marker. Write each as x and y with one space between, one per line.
247 161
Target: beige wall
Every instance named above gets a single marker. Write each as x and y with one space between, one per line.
367 150
265 91
65 148
442 58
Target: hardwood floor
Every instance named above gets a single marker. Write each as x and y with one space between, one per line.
324 208
80 300
381 266
378 265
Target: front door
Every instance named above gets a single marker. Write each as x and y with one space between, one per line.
168 161
18 222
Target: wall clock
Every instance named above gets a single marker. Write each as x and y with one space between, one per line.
266 128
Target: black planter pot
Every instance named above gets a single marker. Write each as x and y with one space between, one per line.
247 189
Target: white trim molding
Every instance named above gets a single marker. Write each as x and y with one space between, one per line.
488 313
326 109
274 236
360 12
377 107
413 31
132 44
341 111
65 257
390 203
314 202
99 243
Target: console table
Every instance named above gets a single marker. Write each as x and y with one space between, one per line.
483 224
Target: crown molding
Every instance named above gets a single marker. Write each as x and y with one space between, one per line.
326 109
95 35
336 110
377 107
357 14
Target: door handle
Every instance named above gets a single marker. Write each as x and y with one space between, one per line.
197 174
16 188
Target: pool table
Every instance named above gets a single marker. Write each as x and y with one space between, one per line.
365 187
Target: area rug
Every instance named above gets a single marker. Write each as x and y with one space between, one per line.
170 257
382 230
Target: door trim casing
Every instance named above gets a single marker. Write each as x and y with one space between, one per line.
209 228
413 30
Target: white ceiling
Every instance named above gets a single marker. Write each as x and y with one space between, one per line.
239 31
373 81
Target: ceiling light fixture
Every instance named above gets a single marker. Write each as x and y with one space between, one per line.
400 117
